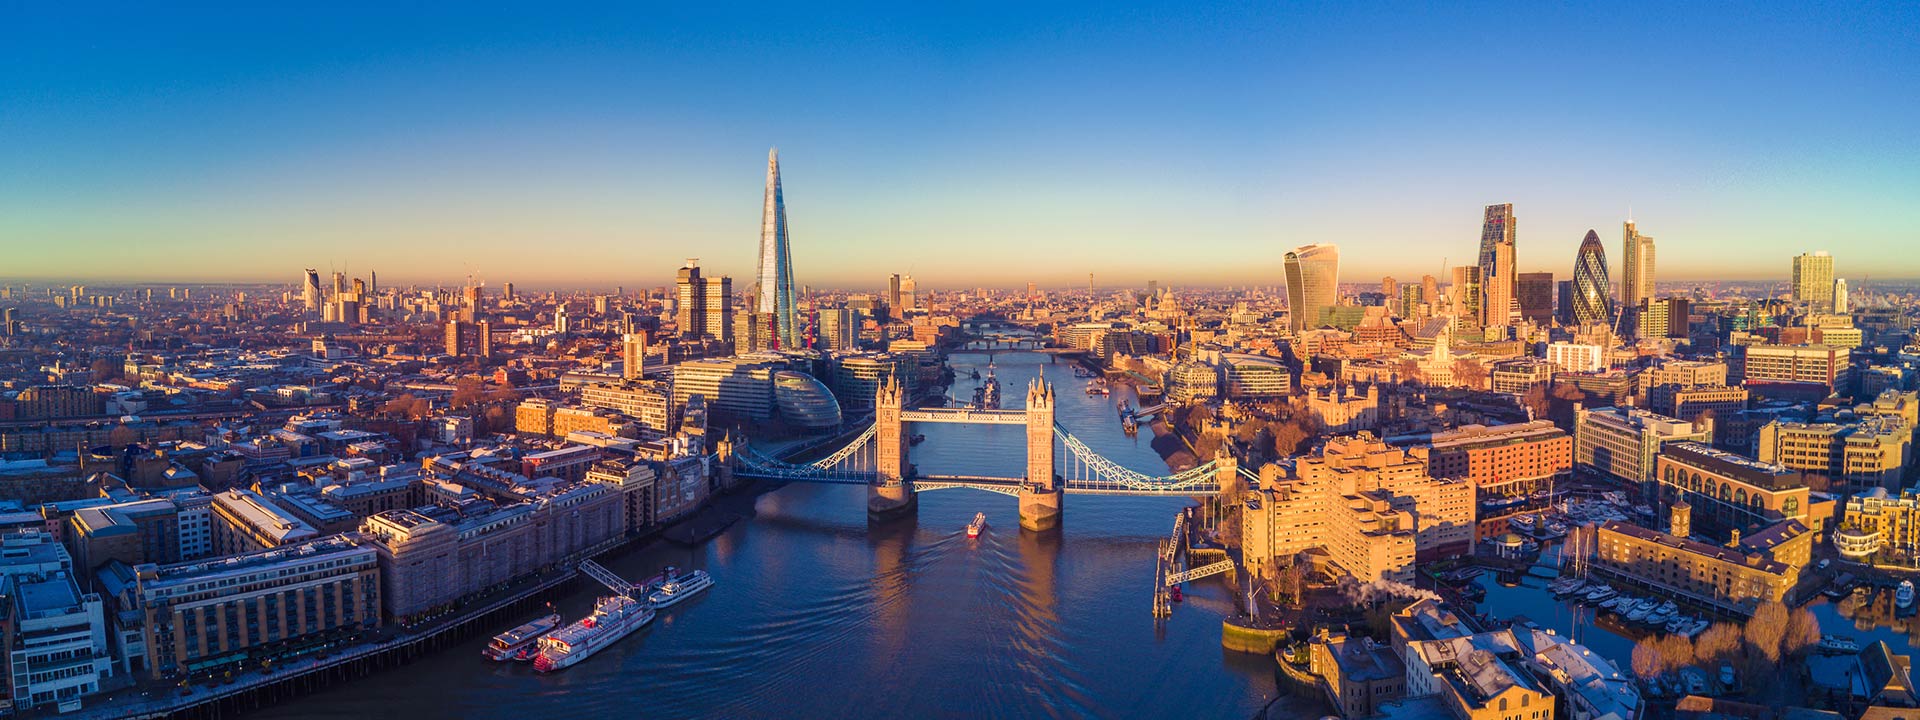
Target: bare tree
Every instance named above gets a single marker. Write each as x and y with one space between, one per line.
1766 629
1647 661
1676 650
1408 371
1718 643
1803 633
1469 372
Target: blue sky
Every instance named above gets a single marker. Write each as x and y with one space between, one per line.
969 145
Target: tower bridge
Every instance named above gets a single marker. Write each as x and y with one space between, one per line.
878 458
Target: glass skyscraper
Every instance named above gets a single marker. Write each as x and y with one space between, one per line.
1313 284
1496 282
775 300
1636 267
1592 293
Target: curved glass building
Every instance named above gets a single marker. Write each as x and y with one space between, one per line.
804 402
1592 304
1313 284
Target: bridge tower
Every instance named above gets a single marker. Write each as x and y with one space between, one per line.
892 492
1040 500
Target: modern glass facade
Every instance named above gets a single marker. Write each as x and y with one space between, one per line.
1313 280
1592 301
775 299
804 401
1499 247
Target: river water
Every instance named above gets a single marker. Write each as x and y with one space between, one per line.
816 614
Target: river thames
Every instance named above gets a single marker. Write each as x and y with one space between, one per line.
818 615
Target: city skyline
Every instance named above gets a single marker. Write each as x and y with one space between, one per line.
632 141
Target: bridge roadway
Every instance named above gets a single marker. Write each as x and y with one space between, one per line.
965 415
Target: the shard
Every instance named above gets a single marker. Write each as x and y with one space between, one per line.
775 302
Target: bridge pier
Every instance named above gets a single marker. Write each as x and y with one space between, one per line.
1040 509
887 501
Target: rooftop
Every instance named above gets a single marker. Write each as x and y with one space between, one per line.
1739 467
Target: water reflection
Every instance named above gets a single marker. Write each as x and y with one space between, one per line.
818 614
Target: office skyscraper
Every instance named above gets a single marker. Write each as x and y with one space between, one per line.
703 305
1813 279
1313 283
310 290
1498 226
1500 302
633 355
1591 289
1840 301
893 296
1467 292
717 304
1636 267
776 299
1535 292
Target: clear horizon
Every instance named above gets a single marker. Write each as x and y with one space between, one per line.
994 147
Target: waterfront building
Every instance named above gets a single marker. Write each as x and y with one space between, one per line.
1733 579
804 402
1371 506
636 481
431 557
1874 451
1360 675
1733 492
737 387
1475 674
1813 280
857 378
1623 442
1534 291
1592 292
1313 284
1636 269
777 302
1575 357
1190 381
237 611
1501 461
1254 377
1876 521
1589 684
55 635
1821 365
243 521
